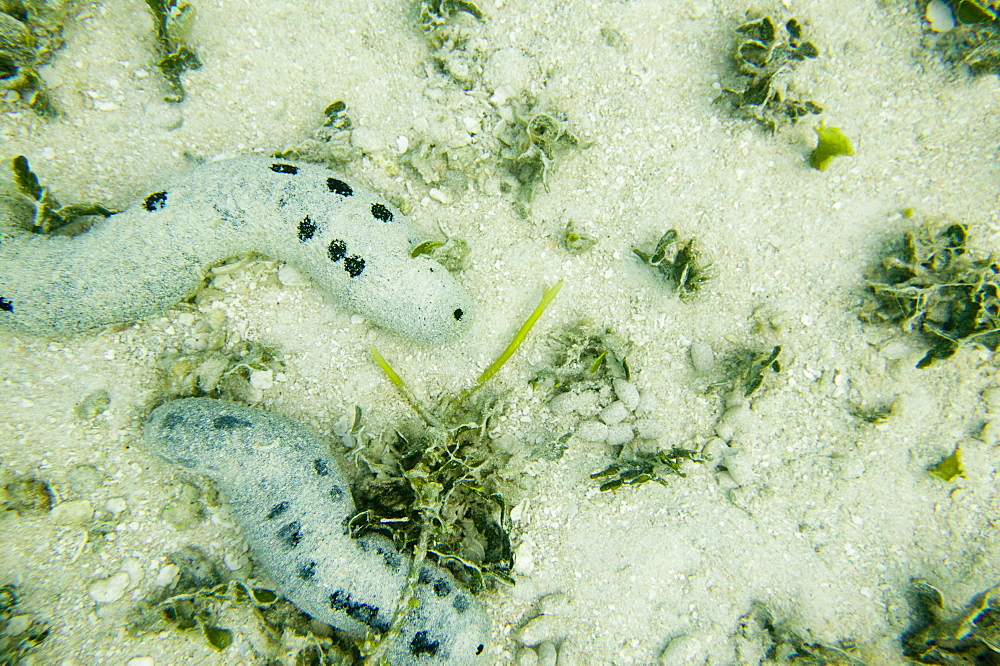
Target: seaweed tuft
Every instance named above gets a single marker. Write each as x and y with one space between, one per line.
936 285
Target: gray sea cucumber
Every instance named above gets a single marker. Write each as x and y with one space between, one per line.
140 261
292 502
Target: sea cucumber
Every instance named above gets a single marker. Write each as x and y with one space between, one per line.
292 501
154 253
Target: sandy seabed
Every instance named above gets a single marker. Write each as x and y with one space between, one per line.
831 518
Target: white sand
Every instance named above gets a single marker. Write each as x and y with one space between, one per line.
834 516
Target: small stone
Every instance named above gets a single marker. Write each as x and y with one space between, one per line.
614 413
939 16
649 428
564 403
116 505
526 657
262 379
733 421
847 468
109 589
557 603
627 393
166 575
140 661
702 357
75 512
542 628
94 404
619 434
84 479
683 650
291 277
592 431
547 654
524 559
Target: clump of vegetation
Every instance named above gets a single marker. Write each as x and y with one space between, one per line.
239 373
743 370
584 356
762 640
457 46
196 601
970 638
435 490
24 494
872 415
830 143
530 140
330 143
765 57
172 21
30 32
974 41
575 241
939 287
453 253
678 263
17 639
636 466
48 216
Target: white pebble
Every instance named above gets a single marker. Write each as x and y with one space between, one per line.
702 357
141 661
627 393
262 379
939 16
109 589
547 654
540 629
116 505
527 657
557 603
165 576
683 650
618 434
592 431
289 276
649 428
524 559
75 512
614 413
564 403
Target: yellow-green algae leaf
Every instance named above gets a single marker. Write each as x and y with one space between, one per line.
949 467
831 143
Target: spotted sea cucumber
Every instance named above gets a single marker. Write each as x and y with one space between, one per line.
292 502
154 253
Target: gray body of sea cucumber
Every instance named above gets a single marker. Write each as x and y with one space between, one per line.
140 261
292 502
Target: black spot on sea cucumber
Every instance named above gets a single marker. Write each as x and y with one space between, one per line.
307 229
228 422
479 650
337 250
172 420
354 265
423 645
440 585
458 314
291 534
364 613
391 559
321 467
380 212
339 187
155 201
277 167
336 493
461 604
6 305
306 571
277 510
